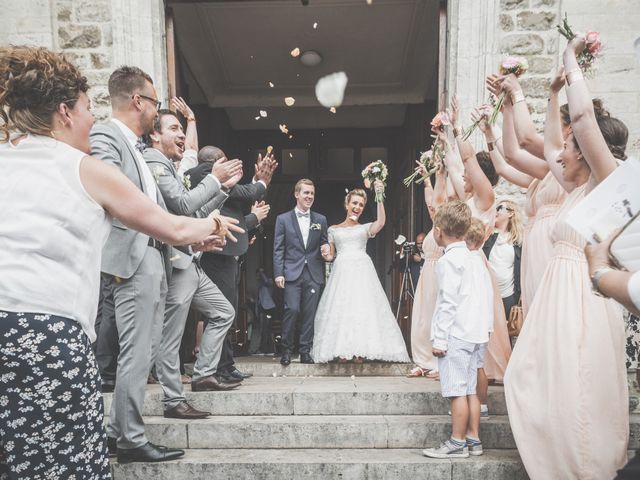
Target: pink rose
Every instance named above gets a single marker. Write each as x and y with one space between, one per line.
592 37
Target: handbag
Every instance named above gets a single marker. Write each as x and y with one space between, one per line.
516 319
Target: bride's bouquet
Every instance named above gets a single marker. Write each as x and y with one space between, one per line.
428 158
588 56
516 65
375 171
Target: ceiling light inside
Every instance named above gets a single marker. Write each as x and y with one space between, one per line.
310 58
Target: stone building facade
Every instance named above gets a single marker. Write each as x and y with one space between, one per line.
102 34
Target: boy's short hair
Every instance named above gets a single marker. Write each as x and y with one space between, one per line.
301 182
453 218
477 233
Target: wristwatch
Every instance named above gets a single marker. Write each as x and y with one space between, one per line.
597 276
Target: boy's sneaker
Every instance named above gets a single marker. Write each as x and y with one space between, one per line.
484 414
474 446
448 449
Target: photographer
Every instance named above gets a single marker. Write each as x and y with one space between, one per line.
416 261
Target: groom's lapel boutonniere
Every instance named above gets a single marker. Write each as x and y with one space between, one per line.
315 226
158 171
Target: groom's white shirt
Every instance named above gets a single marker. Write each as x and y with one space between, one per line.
304 222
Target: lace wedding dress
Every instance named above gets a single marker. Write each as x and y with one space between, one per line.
354 317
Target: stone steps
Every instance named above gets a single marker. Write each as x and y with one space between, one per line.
318 431
378 464
322 396
268 365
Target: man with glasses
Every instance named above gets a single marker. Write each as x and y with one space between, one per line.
135 266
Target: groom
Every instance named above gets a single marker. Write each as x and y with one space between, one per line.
299 243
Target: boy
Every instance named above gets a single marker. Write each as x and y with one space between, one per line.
459 331
475 238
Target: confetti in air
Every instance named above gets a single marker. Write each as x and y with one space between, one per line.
330 89
332 109
289 101
271 84
315 25
295 52
263 113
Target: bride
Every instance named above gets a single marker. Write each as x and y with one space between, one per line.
354 319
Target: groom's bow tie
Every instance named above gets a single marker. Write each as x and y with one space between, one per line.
302 214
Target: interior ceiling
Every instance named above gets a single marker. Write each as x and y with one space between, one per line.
231 50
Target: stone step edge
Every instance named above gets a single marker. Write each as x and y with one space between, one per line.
318 455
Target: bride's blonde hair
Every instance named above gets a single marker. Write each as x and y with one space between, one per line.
356 192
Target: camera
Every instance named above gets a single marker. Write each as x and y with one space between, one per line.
409 246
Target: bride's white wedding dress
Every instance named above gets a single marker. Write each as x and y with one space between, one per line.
354 317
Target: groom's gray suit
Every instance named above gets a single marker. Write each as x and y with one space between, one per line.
189 285
303 270
135 269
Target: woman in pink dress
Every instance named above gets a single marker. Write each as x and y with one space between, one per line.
427 287
566 385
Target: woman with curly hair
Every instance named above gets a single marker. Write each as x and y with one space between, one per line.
57 203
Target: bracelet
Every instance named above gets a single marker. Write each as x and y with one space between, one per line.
490 146
573 76
596 277
457 131
517 97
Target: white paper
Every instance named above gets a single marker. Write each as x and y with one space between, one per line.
610 205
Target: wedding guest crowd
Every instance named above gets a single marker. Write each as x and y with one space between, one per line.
132 223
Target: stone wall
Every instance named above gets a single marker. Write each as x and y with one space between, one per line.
83 30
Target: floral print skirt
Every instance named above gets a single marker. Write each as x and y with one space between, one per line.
51 410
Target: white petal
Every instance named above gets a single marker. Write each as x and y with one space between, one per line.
295 52
315 25
263 113
330 89
289 101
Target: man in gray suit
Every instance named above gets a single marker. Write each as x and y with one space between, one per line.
133 265
189 285
299 241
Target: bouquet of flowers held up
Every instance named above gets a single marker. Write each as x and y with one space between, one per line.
375 171
516 65
588 56
428 158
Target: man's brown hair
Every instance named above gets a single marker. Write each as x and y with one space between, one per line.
302 181
127 81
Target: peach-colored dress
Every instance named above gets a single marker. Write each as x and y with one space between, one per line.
544 198
566 384
423 306
499 347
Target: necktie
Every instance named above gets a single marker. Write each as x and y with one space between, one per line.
140 145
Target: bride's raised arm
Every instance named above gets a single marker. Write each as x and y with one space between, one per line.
381 217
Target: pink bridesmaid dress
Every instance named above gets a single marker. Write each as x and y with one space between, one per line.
544 198
566 384
499 348
423 306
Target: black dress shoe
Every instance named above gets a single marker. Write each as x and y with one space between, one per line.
112 446
108 387
286 359
149 453
238 374
185 411
306 358
227 377
211 383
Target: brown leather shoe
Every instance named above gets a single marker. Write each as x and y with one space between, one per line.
185 411
209 383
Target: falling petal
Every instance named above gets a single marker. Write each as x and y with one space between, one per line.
295 52
263 113
290 136
330 89
332 109
315 25
258 117
346 190
283 128
369 2
289 101
313 291
353 377
290 155
269 150
268 316
271 84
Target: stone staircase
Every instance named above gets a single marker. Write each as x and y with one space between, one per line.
342 421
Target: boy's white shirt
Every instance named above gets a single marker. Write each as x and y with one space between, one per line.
189 161
464 306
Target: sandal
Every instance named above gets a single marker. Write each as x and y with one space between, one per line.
418 372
